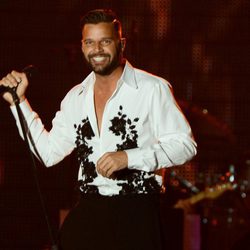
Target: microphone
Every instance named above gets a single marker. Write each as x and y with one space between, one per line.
29 71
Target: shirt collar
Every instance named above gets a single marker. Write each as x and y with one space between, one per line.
127 77
87 82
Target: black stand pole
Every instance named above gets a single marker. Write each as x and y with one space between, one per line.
24 130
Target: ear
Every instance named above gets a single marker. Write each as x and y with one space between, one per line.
123 43
82 46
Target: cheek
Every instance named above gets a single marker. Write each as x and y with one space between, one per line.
85 52
113 52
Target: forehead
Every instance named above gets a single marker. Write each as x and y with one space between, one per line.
99 30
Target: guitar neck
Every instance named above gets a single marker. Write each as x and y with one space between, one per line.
196 198
212 193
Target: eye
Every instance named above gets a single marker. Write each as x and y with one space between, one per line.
88 43
106 42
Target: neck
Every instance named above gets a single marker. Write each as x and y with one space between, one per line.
108 82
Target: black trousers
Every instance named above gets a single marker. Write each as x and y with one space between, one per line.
130 222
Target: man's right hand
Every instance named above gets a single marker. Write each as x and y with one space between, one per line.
12 80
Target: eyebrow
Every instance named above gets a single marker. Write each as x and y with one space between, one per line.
108 37
90 39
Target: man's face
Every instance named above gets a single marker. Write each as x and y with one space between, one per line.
101 47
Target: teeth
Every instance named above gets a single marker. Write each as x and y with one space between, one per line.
99 58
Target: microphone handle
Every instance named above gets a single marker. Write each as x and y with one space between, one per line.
28 70
4 89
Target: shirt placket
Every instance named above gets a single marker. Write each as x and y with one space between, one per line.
106 118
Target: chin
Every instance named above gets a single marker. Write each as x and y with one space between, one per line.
103 72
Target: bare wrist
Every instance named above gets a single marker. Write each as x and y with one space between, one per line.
21 99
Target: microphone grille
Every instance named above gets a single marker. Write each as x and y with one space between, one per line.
30 71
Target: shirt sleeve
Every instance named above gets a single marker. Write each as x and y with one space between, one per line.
50 147
174 144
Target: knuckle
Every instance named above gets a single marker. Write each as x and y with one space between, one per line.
107 154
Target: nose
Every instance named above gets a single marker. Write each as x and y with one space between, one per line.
98 47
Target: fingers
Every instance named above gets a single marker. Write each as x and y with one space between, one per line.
12 79
111 162
104 166
17 81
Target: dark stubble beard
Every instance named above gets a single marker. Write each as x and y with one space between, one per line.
108 69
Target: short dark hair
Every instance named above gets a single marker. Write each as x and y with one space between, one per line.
99 16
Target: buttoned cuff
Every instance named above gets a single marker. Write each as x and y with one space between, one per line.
136 160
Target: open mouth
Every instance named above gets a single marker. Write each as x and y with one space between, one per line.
99 58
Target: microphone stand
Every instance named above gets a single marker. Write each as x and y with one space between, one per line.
24 129
185 183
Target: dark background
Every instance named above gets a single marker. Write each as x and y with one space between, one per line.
201 47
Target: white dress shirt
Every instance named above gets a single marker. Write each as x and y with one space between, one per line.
141 117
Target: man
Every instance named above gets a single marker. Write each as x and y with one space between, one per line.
124 124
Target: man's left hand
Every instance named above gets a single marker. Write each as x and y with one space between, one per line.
111 162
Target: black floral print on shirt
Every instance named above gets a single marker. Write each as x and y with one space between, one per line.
83 150
136 181
124 127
